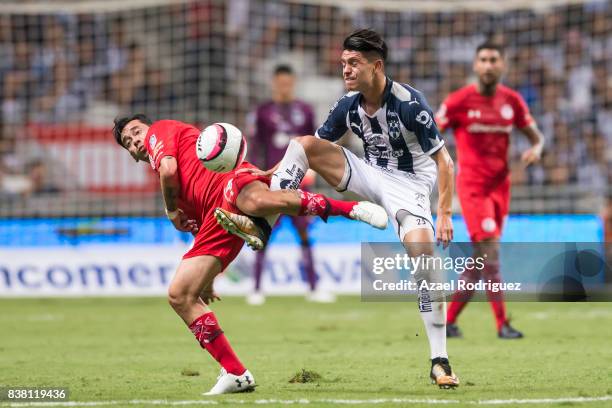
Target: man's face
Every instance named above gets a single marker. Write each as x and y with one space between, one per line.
283 85
489 66
357 71
132 138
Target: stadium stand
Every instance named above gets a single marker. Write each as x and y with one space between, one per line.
67 68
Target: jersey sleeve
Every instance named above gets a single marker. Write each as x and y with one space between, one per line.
522 117
417 117
162 142
335 125
444 115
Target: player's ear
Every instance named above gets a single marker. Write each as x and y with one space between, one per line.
378 65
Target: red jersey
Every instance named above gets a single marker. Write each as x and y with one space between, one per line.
482 126
201 189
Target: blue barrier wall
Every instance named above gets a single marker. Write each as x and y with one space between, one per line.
77 231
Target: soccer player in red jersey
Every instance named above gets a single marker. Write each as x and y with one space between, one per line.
482 116
191 195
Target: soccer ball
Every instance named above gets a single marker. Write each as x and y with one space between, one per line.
221 147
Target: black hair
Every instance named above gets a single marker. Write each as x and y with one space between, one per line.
365 40
490 45
121 121
283 69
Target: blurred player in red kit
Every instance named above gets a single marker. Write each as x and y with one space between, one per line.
193 197
482 116
274 123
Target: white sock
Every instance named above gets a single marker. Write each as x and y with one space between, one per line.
434 319
290 172
292 168
432 308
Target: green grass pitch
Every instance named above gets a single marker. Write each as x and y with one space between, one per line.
126 349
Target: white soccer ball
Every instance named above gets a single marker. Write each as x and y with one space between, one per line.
221 147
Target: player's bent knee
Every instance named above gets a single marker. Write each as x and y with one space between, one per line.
307 142
178 299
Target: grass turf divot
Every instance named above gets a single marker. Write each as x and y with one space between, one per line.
187 372
305 376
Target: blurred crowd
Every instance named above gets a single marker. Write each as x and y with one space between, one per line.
211 61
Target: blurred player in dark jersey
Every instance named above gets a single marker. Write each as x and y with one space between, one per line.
274 123
193 197
482 116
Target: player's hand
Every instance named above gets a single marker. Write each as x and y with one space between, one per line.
255 171
182 222
444 229
208 296
531 155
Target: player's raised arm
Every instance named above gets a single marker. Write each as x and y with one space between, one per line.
446 180
535 136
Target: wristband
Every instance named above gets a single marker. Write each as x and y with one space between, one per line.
172 214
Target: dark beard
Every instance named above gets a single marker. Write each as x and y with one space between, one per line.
488 89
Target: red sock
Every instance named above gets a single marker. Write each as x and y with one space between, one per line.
339 207
461 297
496 299
454 309
210 336
318 204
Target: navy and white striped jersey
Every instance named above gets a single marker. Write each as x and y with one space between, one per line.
398 138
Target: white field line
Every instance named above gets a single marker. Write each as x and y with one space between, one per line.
304 401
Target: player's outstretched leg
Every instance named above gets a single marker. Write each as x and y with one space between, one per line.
194 277
256 200
304 152
252 229
432 307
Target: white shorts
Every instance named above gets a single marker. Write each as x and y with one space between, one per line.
405 200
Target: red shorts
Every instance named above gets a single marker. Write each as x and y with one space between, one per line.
212 239
485 208
235 183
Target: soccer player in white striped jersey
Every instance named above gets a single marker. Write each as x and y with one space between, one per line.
404 154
